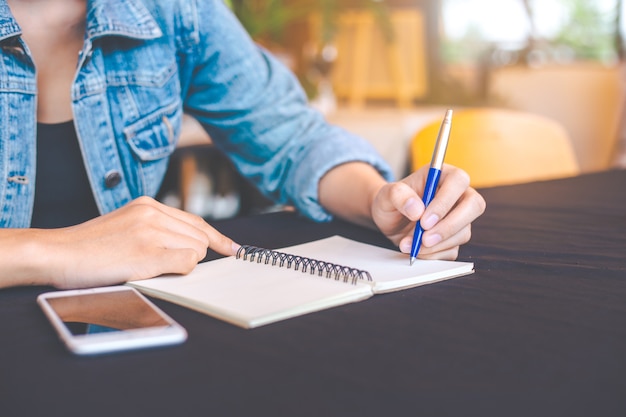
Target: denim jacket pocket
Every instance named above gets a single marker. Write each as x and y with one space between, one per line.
155 136
151 140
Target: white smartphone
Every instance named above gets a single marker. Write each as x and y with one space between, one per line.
108 319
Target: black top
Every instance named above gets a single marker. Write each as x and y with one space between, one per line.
63 196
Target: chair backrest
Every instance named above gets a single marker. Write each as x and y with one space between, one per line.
498 147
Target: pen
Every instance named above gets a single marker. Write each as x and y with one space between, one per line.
433 178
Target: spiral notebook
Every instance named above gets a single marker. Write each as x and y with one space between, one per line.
260 286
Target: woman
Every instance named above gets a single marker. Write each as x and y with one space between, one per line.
104 83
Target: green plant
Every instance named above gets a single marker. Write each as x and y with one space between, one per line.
269 19
266 20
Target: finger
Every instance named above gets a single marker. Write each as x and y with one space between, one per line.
417 179
194 226
161 261
448 250
432 243
170 261
469 207
454 183
399 196
158 229
447 255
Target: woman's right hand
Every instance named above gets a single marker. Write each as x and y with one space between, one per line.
141 240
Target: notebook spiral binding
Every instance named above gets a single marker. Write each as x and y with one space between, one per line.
286 260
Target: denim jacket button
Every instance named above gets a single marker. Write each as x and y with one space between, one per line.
112 178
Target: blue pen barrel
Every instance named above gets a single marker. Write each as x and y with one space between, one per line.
431 185
429 192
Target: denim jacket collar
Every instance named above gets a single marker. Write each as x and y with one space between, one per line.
8 25
128 18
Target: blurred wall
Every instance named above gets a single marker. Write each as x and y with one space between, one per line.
587 98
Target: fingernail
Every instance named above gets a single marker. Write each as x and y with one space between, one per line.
430 221
431 240
405 246
412 208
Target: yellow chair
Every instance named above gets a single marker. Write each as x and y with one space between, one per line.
499 147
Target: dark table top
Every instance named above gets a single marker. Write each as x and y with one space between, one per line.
538 330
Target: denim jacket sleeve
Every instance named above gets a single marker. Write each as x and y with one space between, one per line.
255 110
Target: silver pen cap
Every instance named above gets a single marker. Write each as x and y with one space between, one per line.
442 141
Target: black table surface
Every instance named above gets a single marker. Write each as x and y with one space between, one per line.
538 330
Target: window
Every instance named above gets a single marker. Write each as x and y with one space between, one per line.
558 30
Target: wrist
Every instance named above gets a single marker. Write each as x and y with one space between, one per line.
26 258
350 190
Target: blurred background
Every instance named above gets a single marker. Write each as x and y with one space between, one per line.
385 69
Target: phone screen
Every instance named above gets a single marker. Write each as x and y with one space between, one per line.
105 312
108 319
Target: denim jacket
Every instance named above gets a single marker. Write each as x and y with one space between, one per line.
142 65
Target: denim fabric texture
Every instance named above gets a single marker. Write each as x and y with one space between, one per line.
143 64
